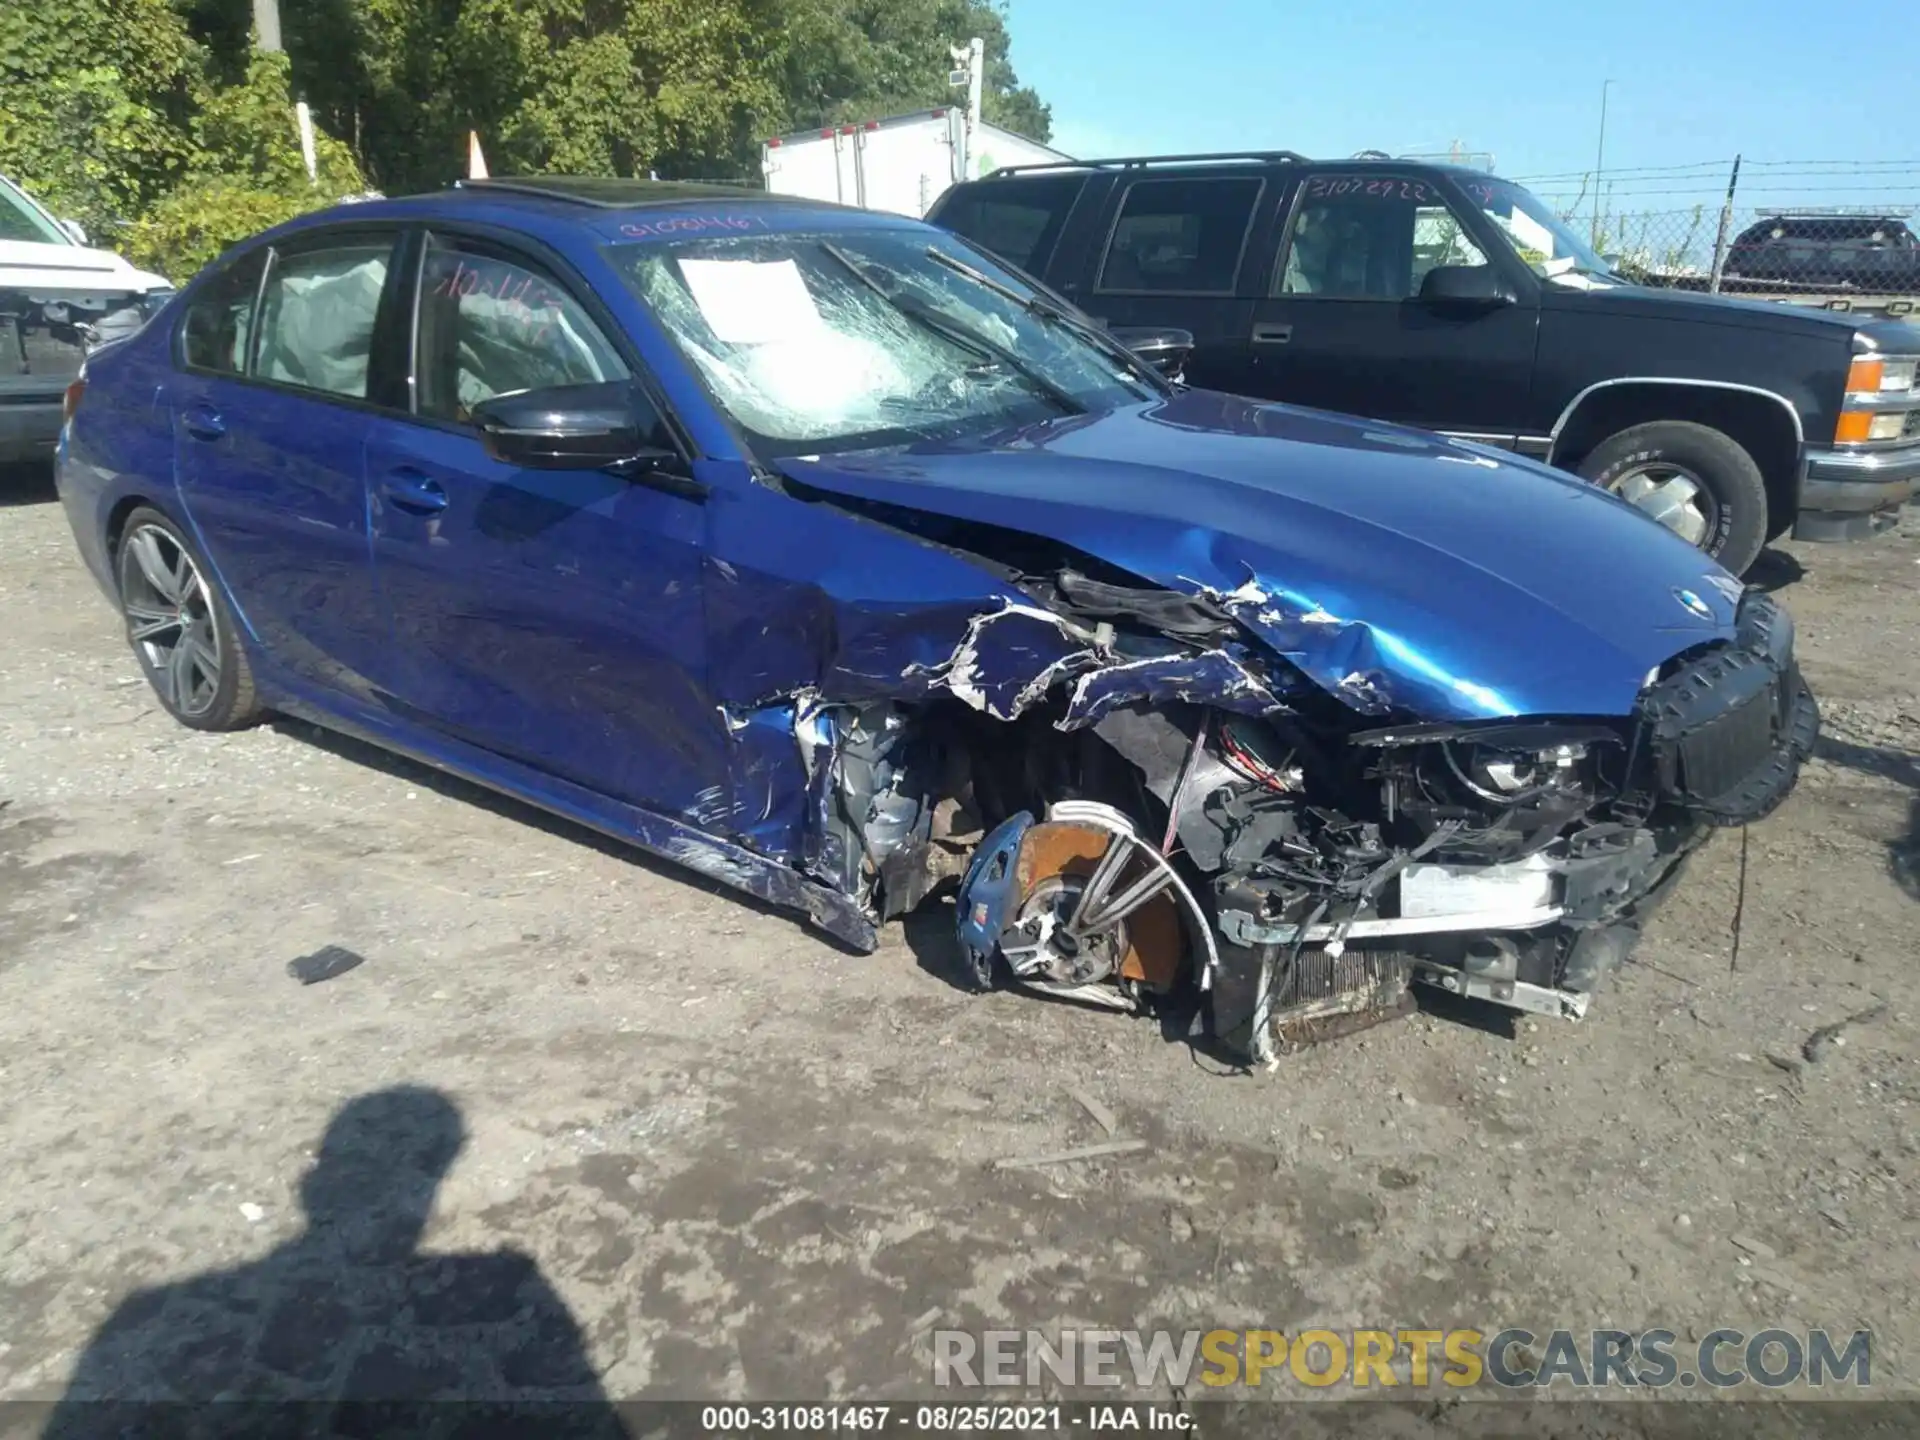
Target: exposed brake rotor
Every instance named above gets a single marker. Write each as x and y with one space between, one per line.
1096 906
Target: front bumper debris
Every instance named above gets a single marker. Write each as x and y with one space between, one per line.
1324 921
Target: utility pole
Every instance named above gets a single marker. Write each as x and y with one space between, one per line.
266 24
1726 224
1599 163
266 29
971 62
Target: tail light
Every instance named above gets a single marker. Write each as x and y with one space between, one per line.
70 401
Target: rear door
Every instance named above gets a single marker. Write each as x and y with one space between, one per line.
277 391
1175 254
552 616
1342 325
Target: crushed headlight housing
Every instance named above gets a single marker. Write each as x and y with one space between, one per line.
1508 775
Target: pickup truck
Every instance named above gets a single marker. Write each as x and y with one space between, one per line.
59 299
1453 300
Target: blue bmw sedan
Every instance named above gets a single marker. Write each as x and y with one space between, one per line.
817 551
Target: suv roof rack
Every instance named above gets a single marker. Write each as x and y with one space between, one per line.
1833 212
1140 162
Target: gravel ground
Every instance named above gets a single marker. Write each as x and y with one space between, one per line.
702 1152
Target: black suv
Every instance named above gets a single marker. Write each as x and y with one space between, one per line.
1823 251
1453 300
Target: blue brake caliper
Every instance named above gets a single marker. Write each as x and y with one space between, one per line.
985 895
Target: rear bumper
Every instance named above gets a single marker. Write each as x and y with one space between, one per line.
1851 496
29 429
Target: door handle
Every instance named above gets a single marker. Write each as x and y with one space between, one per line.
1272 334
410 490
203 422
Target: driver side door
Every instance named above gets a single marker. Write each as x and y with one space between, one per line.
1343 327
550 616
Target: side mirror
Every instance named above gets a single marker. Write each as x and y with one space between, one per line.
1466 287
1164 348
569 427
74 231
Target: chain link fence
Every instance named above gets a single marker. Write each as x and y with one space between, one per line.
1837 234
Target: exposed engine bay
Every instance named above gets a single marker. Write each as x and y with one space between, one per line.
1153 806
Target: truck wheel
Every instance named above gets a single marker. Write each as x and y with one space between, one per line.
1699 483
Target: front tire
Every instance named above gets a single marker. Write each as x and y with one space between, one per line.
1698 482
180 627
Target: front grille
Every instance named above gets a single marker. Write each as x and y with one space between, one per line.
1714 731
1912 426
1720 755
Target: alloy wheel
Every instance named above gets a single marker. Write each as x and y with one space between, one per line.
170 619
1673 495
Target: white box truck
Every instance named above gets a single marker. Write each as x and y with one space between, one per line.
902 164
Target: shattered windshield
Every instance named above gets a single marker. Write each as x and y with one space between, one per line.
852 338
1547 243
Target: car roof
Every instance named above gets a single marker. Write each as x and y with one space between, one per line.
554 207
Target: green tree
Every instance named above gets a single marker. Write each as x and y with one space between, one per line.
120 114
863 59
95 96
573 86
246 173
157 123
681 87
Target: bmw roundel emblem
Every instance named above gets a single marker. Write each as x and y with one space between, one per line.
1695 605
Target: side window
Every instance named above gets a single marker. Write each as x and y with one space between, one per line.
1371 239
1182 236
1019 220
1439 239
317 312
219 322
492 326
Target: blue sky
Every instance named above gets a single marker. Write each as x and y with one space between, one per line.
1695 80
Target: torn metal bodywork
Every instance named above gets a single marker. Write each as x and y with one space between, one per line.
1293 782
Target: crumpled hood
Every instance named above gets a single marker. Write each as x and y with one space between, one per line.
1395 568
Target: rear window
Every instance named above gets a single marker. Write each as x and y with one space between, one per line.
1018 221
1180 236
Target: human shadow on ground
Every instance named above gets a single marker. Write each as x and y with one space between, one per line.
348 1327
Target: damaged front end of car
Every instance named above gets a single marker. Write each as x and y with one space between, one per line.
1190 694
1511 861
1141 800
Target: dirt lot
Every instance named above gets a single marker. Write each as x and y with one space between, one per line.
746 1164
